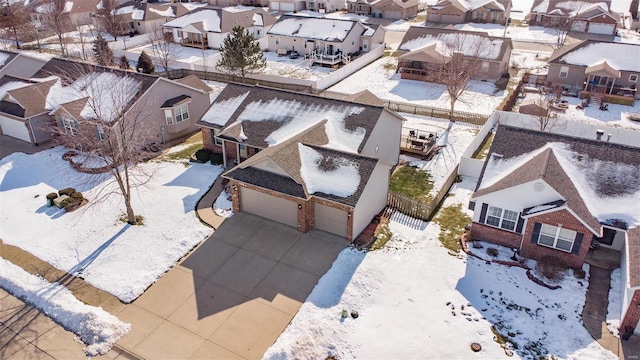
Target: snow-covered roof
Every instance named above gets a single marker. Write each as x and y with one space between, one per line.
136 13
3 58
12 85
220 112
313 28
168 12
341 178
209 18
471 44
568 7
620 56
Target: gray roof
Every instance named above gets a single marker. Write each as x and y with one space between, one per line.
313 28
551 5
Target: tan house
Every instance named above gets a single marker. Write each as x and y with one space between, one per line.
588 16
76 12
321 6
386 9
305 161
144 18
207 27
426 52
464 11
323 40
29 108
606 70
552 196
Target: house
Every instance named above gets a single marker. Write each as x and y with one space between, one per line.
426 53
322 6
207 27
588 16
144 18
302 160
65 94
75 12
387 9
19 65
550 196
606 71
464 11
324 40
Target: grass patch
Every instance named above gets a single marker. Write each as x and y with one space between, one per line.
412 182
483 150
452 222
383 235
184 154
421 17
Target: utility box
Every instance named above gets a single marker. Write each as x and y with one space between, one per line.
58 201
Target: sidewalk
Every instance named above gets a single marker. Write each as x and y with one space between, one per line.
204 208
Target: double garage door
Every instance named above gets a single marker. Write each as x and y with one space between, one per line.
14 128
598 28
284 211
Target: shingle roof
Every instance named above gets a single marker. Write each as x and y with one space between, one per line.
174 101
194 82
619 56
221 20
32 98
75 107
547 6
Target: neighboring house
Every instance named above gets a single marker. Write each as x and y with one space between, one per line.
18 64
586 16
387 9
464 11
324 40
260 3
323 6
305 161
76 12
206 27
549 196
425 53
606 70
144 18
29 108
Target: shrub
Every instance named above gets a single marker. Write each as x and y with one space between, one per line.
67 191
70 202
52 196
216 159
579 273
493 252
551 267
203 155
77 195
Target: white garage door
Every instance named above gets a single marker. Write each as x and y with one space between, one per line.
270 207
14 128
330 219
286 6
392 15
579 25
274 6
596 28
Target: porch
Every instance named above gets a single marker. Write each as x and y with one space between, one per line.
608 98
198 41
329 59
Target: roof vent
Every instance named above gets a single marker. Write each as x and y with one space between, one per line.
599 134
496 156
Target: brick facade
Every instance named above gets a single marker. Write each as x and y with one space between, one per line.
306 208
632 317
494 235
568 221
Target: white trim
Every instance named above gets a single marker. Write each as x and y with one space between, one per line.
599 234
633 75
526 216
557 237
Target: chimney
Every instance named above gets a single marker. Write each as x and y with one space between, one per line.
599 134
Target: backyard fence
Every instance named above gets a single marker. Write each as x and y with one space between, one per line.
461 116
417 209
513 96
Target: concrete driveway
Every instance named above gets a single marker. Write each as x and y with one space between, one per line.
9 145
233 295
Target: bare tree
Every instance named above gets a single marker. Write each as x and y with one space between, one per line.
109 20
112 130
15 18
562 25
57 19
163 47
82 29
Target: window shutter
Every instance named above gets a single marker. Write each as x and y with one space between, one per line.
483 212
519 225
577 243
536 232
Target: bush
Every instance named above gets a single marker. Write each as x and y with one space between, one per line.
216 159
203 155
77 196
67 191
493 252
551 267
579 273
52 196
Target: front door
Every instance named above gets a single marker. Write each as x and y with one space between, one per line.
329 49
243 151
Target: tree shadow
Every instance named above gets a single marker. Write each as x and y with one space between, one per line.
194 177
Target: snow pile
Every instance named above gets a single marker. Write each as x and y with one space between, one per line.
341 180
312 28
410 308
91 241
296 117
614 309
223 206
209 18
98 329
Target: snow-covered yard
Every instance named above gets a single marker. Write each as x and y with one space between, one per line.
293 68
537 34
416 301
380 78
92 242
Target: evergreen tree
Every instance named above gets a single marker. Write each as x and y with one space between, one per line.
102 52
145 64
240 53
124 63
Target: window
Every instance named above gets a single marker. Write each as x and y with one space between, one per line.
564 71
70 126
277 41
633 77
504 219
214 137
556 237
168 115
182 113
180 34
485 66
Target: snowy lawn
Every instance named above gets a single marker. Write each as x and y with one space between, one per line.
454 142
92 242
415 301
95 327
380 78
293 68
183 56
537 34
